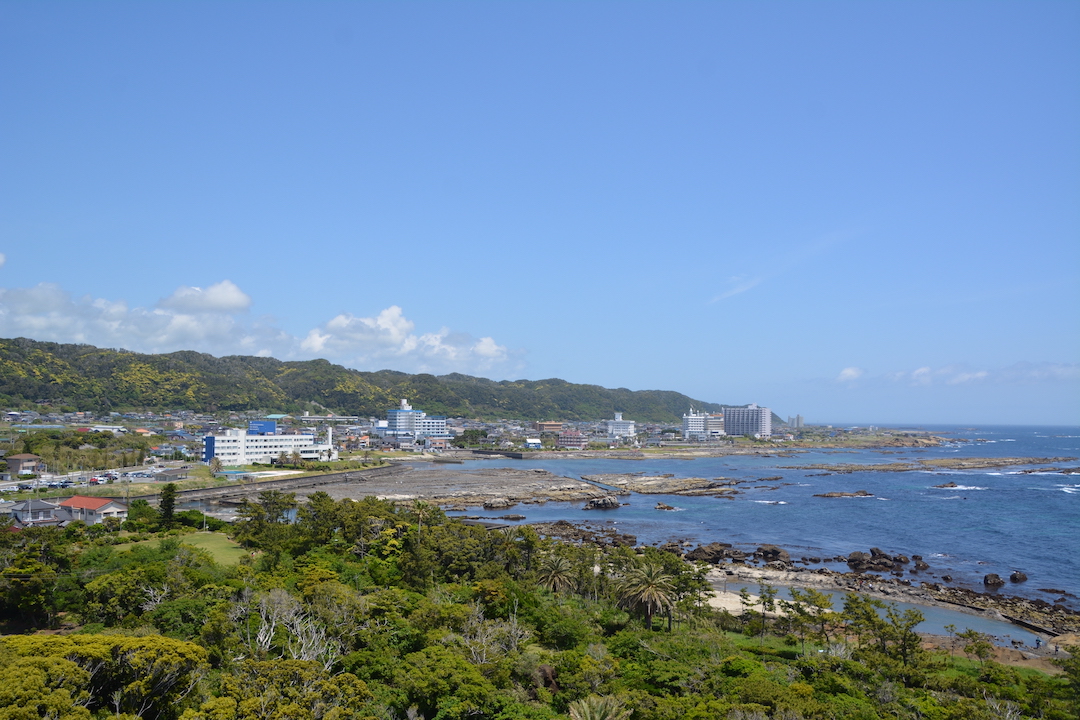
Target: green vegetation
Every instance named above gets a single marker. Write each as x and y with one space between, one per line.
92 378
69 450
370 610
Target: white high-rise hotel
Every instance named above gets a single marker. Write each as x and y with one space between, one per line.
405 421
694 425
751 420
618 427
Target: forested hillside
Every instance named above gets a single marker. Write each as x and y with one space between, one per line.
90 378
364 609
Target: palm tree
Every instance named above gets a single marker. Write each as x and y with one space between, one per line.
649 588
598 708
556 573
215 465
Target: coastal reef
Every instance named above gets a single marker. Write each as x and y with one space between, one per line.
666 484
937 464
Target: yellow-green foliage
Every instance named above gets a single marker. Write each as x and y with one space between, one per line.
146 676
42 687
157 387
284 690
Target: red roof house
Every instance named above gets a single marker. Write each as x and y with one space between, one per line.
93 510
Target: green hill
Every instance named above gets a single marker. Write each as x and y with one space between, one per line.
91 378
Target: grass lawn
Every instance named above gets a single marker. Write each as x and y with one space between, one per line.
223 550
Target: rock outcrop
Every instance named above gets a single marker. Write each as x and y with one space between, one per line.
993 580
716 552
772 553
499 503
608 502
857 493
1018 577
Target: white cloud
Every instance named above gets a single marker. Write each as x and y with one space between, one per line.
221 297
922 376
850 373
213 321
965 377
3 259
389 338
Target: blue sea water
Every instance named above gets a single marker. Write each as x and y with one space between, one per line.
995 521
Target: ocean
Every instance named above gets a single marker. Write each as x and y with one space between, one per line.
994 521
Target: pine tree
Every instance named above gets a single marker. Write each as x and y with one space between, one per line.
167 505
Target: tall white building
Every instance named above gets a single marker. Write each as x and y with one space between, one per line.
618 427
695 425
404 420
752 420
239 447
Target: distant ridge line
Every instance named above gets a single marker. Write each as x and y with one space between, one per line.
85 377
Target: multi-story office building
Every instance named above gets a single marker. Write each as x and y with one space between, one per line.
752 420
618 427
714 425
234 446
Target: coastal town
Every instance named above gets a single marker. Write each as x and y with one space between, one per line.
217 461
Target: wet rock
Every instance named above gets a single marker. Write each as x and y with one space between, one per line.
857 493
946 578
993 580
946 485
772 553
921 564
511 517
663 506
672 548
499 503
608 502
1018 577
711 553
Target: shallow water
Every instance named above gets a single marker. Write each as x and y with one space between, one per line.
997 520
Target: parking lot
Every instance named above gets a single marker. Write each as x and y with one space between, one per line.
73 481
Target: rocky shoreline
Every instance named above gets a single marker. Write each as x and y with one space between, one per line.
773 565
939 464
501 488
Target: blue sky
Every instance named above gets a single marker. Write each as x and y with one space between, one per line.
860 212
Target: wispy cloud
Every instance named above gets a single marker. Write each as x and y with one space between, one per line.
963 374
739 285
216 320
783 264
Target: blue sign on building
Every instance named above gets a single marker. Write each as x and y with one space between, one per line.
262 427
